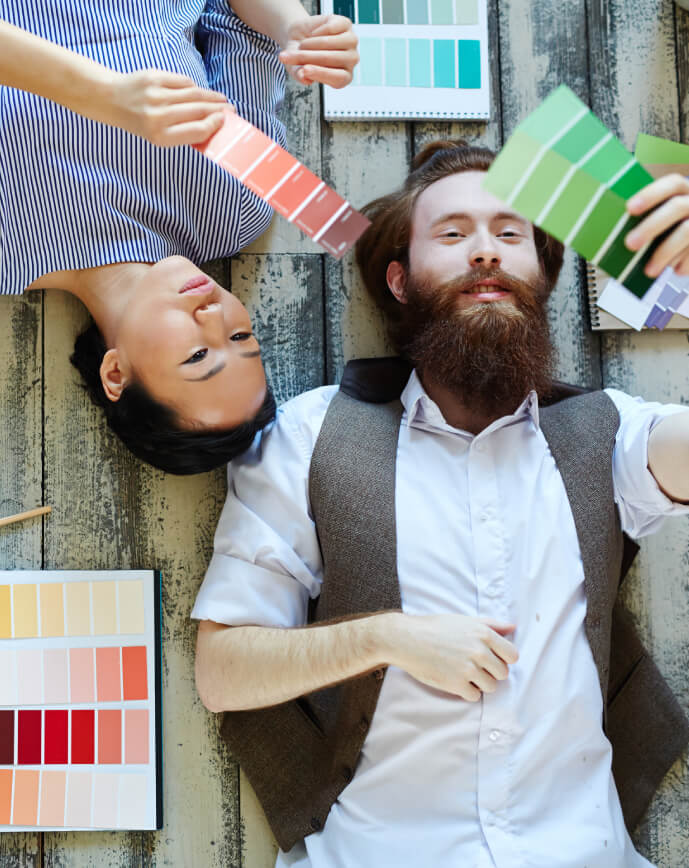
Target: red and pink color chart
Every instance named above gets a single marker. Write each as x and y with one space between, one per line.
282 181
80 700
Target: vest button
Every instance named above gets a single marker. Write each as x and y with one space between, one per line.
316 824
363 724
379 674
347 773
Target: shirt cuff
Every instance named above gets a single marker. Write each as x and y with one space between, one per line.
238 593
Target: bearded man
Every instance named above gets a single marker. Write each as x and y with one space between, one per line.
410 610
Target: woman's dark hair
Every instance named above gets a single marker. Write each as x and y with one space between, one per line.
151 430
387 238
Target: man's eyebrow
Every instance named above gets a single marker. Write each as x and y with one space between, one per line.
460 215
211 373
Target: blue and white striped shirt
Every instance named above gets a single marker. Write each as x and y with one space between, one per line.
77 194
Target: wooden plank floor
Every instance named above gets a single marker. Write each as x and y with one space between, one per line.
629 60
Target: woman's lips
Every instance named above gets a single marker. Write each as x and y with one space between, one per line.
199 285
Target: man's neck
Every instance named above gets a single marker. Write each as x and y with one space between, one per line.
454 410
105 290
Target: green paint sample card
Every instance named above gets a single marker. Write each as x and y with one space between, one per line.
564 171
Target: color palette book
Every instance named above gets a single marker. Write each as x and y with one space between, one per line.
418 59
289 187
565 172
666 303
80 701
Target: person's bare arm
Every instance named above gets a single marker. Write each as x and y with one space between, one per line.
239 668
320 48
668 456
163 107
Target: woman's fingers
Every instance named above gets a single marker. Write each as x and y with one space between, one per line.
191 133
324 75
657 192
671 252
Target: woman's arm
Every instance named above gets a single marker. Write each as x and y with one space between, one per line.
163 107
319 48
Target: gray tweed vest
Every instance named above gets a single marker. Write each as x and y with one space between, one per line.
301 754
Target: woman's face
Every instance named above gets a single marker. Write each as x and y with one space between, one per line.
190 345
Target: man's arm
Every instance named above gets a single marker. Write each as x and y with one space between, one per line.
239 668
163 107
319 48
668 456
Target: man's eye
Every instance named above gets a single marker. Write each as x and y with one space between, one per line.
509 233
451 233
241 336
198 356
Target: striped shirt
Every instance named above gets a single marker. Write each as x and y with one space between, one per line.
77 194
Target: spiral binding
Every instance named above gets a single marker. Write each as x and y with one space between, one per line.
404 115
593 293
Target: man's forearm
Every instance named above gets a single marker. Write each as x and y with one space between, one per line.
33 64
668 456
271 17
239 668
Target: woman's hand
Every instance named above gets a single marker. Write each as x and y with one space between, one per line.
321 48
669 196
166 108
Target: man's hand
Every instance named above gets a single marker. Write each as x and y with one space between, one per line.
321 48
670 198
458 654
163 107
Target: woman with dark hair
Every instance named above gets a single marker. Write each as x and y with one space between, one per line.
89 205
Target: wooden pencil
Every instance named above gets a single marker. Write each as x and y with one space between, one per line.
22 516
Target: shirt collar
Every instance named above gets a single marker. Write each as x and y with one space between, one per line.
421 410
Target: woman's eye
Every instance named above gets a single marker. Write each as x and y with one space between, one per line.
198 356
241 336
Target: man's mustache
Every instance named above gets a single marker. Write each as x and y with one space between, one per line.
529 294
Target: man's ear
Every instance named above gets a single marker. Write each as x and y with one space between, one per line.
396 277
113 378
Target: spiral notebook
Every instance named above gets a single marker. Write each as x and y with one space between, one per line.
420 60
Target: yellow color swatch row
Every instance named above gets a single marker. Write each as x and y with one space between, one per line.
71 609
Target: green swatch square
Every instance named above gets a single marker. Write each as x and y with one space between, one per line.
617 257
636 281
393 12
652 149
607 161
551 169
552 115
599 224
633 180
570 204
583 136
369 12
510 164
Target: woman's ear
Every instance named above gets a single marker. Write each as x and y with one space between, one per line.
396 277
112 376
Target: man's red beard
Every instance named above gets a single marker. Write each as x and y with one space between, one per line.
491 354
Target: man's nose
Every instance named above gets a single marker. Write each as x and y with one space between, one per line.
485 253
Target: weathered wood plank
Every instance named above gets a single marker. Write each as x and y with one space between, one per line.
541 46
362 161
21 470
635 88
284 295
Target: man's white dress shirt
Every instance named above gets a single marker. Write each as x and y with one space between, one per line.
522 778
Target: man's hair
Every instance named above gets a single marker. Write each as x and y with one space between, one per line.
387 239
151 430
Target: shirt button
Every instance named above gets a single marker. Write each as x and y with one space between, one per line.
379 674
478 447
363 724
494 735
316 824
347 773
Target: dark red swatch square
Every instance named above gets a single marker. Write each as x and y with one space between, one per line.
83 722
29 738
56 730
6 738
